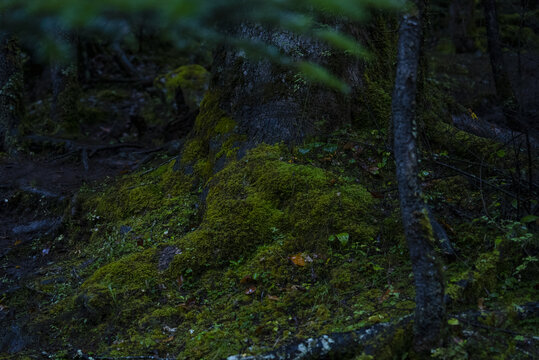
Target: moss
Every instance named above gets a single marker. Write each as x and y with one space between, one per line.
224 125
233 284
140 194
193 149
262 192
213 139
112 95
192 79
374 98
68 101
462 143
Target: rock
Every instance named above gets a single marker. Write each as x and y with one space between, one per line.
12 339
166 255
45 225
124 229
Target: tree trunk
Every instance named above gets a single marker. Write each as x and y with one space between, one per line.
11 92
252 100
273 103
461 25
499 70
430 309
65 86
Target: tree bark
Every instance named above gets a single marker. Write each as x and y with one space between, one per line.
499 70
65 86
430 309
273 103
11 92
461 24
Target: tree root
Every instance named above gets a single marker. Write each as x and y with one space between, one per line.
73 148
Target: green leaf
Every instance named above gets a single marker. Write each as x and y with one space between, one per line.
342 42
331 238
318 74
453 322
501 153
304 151
529 218
330 148
343 238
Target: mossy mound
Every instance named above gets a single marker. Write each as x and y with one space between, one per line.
262 192
263 264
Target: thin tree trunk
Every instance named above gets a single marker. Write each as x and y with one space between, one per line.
499 70
11 92
430 309
65 86
461 25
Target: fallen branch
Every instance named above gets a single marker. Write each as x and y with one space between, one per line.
369 339
334 346
73 146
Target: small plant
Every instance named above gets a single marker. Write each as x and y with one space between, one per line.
112 294
342 237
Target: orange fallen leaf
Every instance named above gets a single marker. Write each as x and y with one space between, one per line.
481 304
250 290
297 259
385 296
169 339
18 242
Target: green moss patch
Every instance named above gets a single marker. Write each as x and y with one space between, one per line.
191 80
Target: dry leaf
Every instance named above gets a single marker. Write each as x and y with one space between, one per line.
298 288
250 290
169 339
272 297
481 304
18 242
180 281
298 259
385 296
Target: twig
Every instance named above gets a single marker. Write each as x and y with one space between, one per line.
465 173
123 61
84 157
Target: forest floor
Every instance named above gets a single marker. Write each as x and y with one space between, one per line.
39 190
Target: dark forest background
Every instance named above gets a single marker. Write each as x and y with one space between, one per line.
310 179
